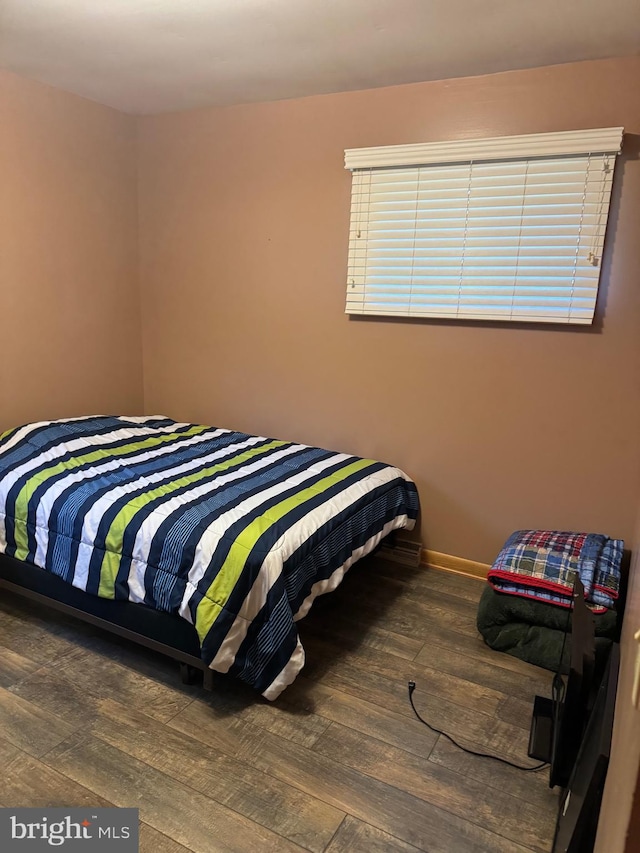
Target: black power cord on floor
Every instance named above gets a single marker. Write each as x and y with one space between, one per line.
534 769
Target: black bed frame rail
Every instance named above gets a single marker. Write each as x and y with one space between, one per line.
116 617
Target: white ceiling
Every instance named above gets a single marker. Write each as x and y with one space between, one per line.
147 56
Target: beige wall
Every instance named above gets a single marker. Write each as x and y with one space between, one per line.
244 219
623 779
69 300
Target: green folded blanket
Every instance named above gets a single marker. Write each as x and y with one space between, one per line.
534 630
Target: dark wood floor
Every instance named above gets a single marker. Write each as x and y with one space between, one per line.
337 764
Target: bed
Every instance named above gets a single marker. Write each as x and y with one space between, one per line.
205 543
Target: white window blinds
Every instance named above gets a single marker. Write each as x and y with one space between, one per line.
498 229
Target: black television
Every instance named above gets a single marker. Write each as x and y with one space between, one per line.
558 723
572 729
577 822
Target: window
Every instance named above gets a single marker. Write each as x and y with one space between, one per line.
498 229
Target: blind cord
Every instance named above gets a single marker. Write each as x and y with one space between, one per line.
534 769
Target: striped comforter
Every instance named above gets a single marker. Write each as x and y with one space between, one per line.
236 533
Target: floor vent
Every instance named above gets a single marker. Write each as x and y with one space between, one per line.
401 551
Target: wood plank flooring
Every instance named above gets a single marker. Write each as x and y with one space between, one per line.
337 764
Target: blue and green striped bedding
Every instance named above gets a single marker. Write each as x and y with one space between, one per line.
236 533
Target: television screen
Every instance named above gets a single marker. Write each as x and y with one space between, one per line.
558 723
572 729
574 699
580 804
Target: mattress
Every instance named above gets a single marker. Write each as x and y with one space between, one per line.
235 533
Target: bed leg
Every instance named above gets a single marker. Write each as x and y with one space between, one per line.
188 673
207 679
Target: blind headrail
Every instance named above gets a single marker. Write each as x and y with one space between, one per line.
606 140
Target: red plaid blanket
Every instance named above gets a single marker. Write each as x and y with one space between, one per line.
542 564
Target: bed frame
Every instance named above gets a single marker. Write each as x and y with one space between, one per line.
163 632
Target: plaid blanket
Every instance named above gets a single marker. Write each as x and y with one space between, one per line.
541 564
